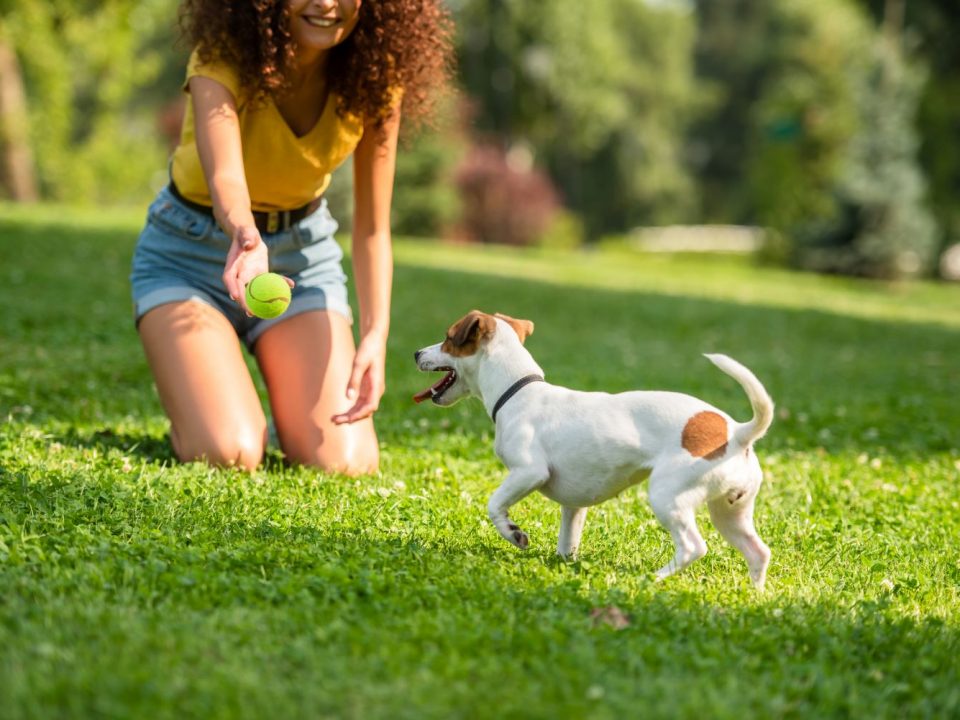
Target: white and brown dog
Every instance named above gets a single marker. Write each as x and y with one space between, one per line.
581 448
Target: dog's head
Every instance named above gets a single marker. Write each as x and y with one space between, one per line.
468 342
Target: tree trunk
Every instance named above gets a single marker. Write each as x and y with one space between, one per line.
17 178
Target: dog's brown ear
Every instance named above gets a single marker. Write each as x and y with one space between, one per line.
465 335
523 328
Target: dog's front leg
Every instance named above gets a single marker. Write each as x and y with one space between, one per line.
520 482
571 528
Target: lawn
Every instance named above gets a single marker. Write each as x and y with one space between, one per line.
132 586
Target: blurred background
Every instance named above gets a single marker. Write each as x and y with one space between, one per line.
819 134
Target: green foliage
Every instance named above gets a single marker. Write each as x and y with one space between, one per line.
425 202
743 111
731 65
929 34
135 586
832 159
564 233
83 63
806 115
883 230
939 116
601 92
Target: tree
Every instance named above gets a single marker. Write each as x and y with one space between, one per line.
600 93
929 32
882 227
732 61
835 169
820 112
805 114
84 63
17 177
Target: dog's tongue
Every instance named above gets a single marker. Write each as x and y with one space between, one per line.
423 395
432 390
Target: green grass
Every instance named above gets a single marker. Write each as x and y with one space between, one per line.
134 586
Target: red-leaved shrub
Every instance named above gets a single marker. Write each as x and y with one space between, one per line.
503 202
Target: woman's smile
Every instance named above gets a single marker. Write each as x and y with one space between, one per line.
322 24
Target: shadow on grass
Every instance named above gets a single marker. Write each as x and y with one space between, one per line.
142 445
146 446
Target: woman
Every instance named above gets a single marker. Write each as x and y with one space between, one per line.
281 92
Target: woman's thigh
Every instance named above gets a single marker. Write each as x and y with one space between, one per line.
204 384
306 363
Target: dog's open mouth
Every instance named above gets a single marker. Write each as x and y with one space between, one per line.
439 388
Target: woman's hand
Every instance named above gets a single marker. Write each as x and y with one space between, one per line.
367 383
246 259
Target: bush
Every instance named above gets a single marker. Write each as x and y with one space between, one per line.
425 202
879 226
565 232
89 82
835 172
504 199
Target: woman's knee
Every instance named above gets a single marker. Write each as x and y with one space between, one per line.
357 457
242 449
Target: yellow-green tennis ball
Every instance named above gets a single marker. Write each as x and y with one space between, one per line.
268 295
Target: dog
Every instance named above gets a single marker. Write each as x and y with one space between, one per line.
582 448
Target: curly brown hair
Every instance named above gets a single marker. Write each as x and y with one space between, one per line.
396 43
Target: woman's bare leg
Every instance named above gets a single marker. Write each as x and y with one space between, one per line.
306 362
204 385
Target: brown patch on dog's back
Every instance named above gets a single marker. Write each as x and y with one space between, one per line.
465 335
705 435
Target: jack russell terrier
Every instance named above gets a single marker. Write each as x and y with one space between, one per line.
581 448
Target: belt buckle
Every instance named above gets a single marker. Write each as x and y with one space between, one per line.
273 221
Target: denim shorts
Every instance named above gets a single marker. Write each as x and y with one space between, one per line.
181 253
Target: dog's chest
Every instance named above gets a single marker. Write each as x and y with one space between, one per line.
575 488
586 462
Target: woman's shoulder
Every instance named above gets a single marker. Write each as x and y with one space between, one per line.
214 68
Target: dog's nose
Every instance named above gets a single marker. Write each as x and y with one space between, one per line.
416 355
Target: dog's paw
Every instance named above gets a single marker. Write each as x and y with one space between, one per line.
518 537
521 539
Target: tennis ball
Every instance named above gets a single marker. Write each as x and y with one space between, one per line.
268 295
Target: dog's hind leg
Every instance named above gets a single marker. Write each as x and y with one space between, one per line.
732 515
677 513
520 482
571 528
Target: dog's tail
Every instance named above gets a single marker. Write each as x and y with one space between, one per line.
749 432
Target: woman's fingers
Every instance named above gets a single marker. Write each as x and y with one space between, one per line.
246 259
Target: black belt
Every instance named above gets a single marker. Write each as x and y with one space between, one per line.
266 222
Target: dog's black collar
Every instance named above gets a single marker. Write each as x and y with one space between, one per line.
512 390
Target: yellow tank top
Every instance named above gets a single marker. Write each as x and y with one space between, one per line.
283 171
